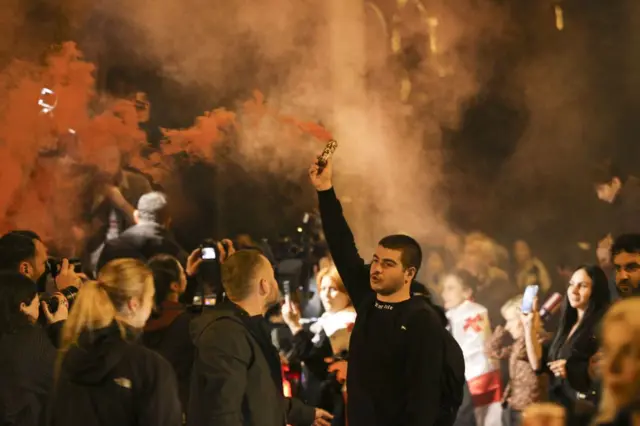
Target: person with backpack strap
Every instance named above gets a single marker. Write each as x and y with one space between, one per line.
405 369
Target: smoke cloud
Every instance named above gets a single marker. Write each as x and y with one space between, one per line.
383 79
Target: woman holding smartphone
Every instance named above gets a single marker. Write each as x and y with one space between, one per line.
585 303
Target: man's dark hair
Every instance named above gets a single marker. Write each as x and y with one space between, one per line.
15 289
629 243
153 207
15 248
604 173
411 253
26 233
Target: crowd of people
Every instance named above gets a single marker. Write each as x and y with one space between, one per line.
119 339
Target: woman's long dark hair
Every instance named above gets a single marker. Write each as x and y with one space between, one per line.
15 289
598 304
166 271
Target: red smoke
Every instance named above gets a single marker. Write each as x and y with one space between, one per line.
43 193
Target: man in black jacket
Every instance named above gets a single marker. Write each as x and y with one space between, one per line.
237 376
395 363
149 236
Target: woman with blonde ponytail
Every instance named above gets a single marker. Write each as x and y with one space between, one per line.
103 375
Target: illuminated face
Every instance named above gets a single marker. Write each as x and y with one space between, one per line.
621 361
140 309
627 267
513 325
333 300
387 275
453 292
579 291
521 251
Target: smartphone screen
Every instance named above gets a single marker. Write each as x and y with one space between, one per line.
208 253
527 300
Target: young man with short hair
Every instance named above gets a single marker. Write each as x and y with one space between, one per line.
237 376
398 364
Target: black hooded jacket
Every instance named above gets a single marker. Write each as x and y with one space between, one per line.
237 375
110 380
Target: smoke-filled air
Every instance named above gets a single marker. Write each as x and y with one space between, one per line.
397 84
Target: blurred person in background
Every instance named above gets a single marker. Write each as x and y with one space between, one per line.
104 376
529 269
622 192
24 252
109 198
544 414
27 354
167 330
568 357
245 241
625 253
605 261
237 374
326 338
525 387
494 288
620 365
453 250
150 235
433 273
469 324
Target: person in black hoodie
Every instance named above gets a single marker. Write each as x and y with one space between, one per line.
167 331
27 354
237 375
397 349
104 377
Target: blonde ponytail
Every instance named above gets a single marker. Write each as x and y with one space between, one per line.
99 302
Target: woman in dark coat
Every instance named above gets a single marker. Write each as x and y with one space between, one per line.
105 377
167 331
585 303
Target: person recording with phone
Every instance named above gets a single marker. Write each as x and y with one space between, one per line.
586 301
525 387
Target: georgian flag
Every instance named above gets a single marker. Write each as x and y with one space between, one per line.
469 325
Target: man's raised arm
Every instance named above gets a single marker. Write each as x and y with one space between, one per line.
342 245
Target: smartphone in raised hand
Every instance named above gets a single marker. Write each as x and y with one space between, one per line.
530 293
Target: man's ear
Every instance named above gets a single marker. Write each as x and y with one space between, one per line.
26 269
412 272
